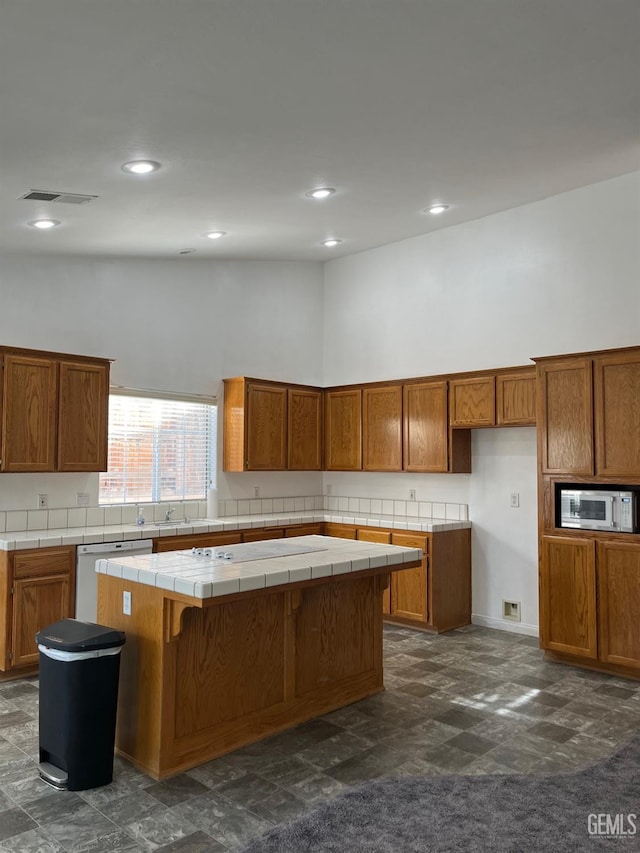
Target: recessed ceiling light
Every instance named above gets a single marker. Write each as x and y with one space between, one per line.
215 235
44 224
141 167
331 242
435 209
320 192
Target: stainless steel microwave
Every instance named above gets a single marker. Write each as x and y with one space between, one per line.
599 509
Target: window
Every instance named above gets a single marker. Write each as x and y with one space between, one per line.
159 450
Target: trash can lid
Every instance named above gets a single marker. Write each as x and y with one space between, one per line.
70 635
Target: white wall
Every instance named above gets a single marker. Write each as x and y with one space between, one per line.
178 325
557 276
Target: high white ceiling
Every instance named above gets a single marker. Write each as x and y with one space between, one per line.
482 104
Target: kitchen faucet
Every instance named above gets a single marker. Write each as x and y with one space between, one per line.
169 513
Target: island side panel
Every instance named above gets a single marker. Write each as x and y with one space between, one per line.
338 637
143 706
245 669
202 678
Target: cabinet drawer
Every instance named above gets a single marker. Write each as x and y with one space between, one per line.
44 561
304 530
197 540
379 536
411 540
340 531
262 534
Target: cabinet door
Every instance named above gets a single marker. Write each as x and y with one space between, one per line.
29 413
83 412
516 399
619 603
565 416
343 430
37 602
197 540
425 427
266 428
409 587
568 596
473 401
382 428
617 406
304 435
382 538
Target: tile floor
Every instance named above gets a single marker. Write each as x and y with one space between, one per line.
471 701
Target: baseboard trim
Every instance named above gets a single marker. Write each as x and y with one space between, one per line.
503 625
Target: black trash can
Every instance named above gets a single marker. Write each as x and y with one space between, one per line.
79 669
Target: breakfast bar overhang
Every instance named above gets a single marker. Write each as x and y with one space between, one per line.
226 646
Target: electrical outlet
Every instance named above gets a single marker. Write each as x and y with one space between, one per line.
126 603
515 499
329 489
256 491
412 494
43 501
82 498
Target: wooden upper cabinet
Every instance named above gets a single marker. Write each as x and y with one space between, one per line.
83 414
54 411
304 439
472 402
565 416
255 425
266 425
516 399
28 413
425 427
568 596
617 414
343 430
271 427
619 603
382 428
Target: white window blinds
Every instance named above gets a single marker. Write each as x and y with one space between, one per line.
159 450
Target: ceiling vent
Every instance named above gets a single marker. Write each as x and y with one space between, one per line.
58 198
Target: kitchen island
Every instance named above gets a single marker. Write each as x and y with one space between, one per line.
229 645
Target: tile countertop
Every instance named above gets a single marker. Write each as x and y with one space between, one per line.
23 539
203 573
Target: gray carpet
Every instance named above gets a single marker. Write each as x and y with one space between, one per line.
474 814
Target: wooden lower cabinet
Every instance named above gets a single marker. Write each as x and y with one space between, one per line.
410 589
619 603
568 596
37 588
435 596
589 602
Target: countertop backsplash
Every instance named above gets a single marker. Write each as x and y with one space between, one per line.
99 516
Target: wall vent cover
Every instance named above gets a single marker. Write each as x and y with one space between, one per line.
58 198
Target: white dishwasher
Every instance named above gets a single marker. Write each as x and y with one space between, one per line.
86 577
